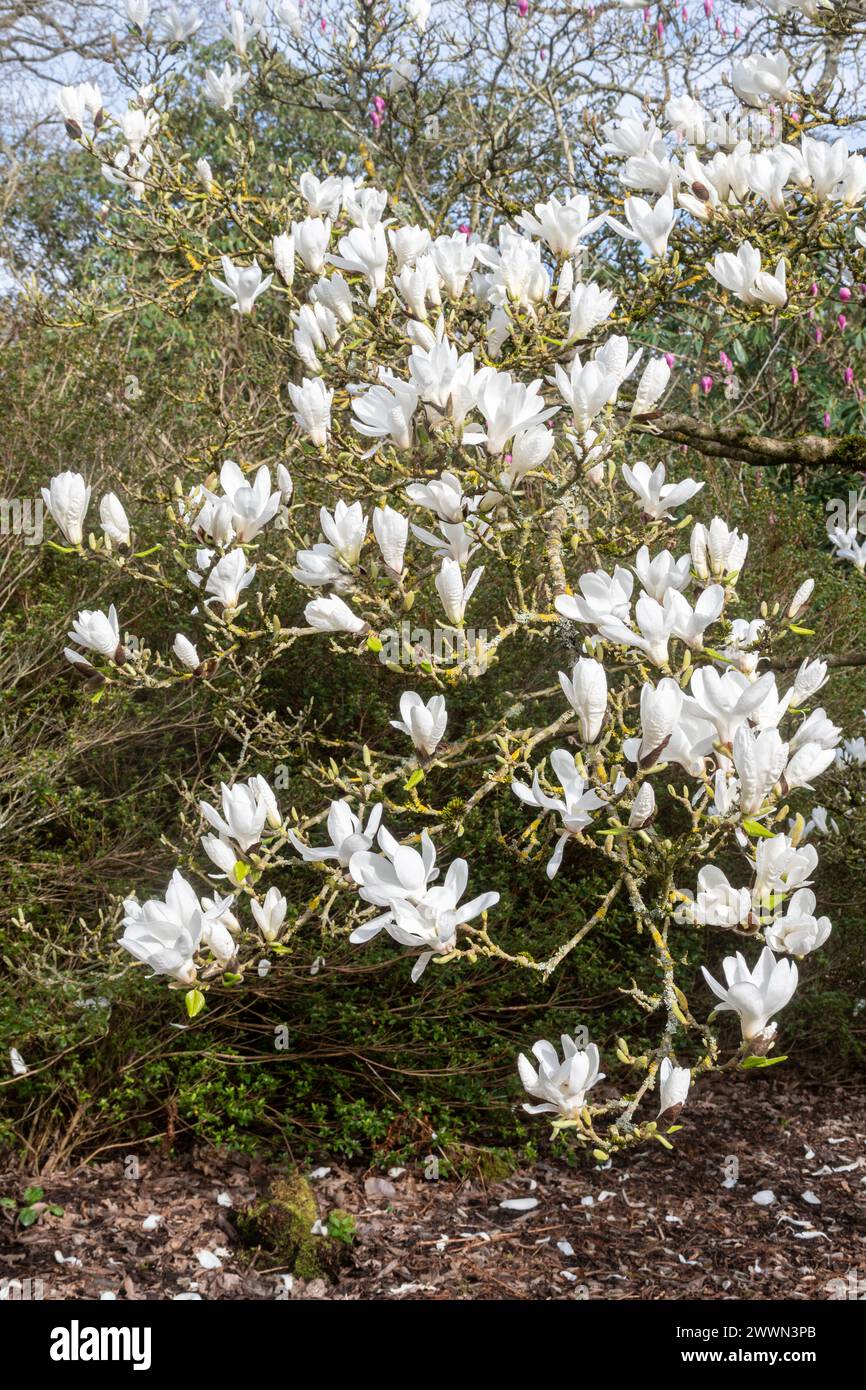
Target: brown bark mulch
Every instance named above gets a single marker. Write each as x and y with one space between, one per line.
656 1225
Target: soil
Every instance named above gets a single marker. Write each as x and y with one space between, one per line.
657 1225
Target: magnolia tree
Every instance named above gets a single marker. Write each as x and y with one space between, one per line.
465 417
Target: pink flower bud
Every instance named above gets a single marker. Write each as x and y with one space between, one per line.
465 227
379 103
706 384
826 420
670 359
323 24
660 28
813 290
842 322
819 336
848 375
375 120
726 362
844 294
795 376
708 8
523 8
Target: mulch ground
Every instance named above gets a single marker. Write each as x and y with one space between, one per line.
657 1225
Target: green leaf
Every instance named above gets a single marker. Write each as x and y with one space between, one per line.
374 643
230 979
28 1215
8 1202
56 1211
194 1000
749 1063
754 827
802 631
32 1194
417 776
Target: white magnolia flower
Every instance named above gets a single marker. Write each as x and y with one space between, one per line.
250 506
754 995
229 577
658 498
323 197
649 223
114 520
781 867
743 276
311 238
602 597
243 284
331 614
424 723
391 530
560 1086
674 1085
562 226
728 699
244 812
73 101
333 293
454 258
67 498
443 495
222 87
347 832
586 692
799 931
589 306
811 676
270 914
661 573
846 545
418 13
399 872
165 933
452 591
762 77
416 916
586 388
760 757
508 406
717 550
97 632
345 530
717 903
312 401
179 25
385 411
408 243
660 709
575 806
365 252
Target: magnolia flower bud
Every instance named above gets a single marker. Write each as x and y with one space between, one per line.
67 498
586 692
660 708
391 530
114 520
801 598
270 914
643 808
284 256
811 676
186 653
